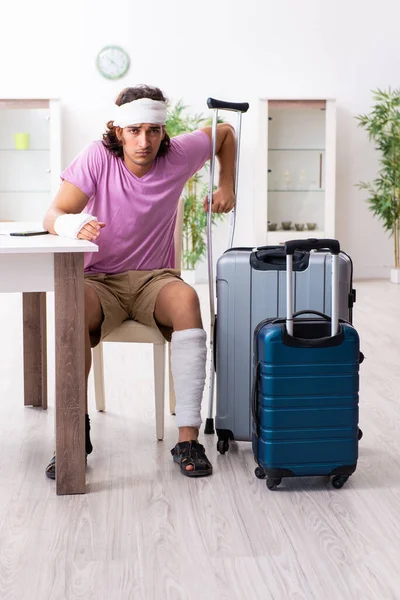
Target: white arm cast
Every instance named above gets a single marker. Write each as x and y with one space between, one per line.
69 225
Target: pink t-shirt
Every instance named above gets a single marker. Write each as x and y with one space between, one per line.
139 212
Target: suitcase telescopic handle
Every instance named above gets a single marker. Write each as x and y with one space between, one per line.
312 244
213 103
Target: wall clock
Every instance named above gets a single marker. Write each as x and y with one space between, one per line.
112 62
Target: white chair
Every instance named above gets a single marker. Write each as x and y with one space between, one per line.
134 332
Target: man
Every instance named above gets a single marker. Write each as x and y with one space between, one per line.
122 193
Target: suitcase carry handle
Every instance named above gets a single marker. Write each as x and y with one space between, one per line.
268 258
312 244
308 312
315 312
222 105
254 397
239 108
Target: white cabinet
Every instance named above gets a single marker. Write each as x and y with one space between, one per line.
30 164
298 156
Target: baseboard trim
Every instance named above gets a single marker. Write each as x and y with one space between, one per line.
371 272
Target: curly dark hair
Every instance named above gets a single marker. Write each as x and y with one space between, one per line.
110 139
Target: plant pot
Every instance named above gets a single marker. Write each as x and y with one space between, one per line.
189 276
395 275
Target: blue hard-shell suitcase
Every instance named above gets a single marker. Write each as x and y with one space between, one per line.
306 384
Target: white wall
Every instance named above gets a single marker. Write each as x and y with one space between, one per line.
233 50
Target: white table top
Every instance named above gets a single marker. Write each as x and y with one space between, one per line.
38 244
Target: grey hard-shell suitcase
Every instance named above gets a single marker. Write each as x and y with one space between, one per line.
251 287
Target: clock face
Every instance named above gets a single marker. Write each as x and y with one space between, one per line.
112 62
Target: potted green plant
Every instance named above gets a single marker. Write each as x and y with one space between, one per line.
383 126
194 218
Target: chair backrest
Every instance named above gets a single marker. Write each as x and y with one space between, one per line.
178 234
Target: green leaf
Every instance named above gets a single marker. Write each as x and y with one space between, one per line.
383 127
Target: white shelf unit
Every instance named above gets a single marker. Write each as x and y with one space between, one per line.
297 163
29 179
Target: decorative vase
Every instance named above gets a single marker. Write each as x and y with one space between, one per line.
286 225
395 275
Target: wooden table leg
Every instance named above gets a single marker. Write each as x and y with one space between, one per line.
35 349
70 373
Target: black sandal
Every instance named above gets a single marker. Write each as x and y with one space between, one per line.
50 470
192 453
51 467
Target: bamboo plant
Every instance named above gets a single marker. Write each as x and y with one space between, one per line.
194 218
383 127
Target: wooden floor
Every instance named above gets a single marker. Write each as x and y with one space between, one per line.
145 532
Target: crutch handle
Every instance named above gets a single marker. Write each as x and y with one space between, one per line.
222 105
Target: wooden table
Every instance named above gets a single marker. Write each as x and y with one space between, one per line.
34 266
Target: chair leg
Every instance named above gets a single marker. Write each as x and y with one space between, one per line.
98 373
159 387
172 400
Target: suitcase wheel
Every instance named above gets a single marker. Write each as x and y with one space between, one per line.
360 434
273 482
259 473
223 446
338 481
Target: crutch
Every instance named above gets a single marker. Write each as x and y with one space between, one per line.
239 108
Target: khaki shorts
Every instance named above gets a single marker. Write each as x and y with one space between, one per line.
129 295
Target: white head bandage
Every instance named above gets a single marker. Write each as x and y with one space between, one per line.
143 110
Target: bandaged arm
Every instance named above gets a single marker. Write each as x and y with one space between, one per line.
69 225
67 210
